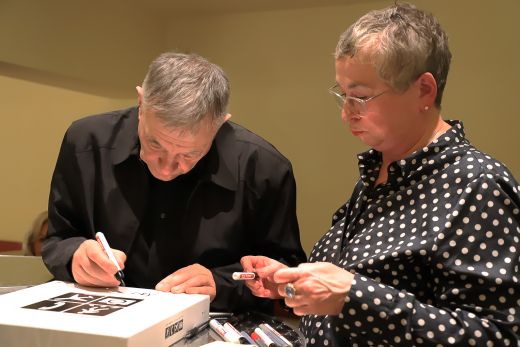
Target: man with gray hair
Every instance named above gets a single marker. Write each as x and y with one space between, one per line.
180 192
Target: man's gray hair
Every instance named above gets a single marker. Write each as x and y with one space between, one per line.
183 89
402 42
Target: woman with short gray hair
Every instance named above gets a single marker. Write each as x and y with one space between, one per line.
425 252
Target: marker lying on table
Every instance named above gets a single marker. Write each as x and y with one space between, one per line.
196 330
234 332
277 338
248 338
220 314
100 237
226 334
258 340
264 338
242 276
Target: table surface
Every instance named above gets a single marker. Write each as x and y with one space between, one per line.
20 270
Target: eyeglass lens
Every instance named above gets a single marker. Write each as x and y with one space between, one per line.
351 104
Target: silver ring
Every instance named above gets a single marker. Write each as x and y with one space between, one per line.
290 291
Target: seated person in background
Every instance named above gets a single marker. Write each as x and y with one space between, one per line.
33 239
426 250
180 193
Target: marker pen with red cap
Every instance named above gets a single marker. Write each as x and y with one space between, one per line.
248 338
257 339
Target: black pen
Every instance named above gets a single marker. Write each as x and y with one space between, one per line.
220 315
194 331
100 237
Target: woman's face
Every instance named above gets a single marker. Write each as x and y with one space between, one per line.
390 122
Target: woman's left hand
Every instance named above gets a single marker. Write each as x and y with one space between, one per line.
263 286
320 288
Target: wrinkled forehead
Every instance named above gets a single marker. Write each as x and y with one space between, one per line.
200 136
163 122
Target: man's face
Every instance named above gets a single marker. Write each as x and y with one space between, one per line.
170 152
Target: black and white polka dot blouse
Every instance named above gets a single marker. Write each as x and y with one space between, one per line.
435 251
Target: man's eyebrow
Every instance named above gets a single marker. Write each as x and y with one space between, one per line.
193 152
152 139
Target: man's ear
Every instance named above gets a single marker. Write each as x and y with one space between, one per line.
220 123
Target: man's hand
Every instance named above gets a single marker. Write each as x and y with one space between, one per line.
92 267
263 286
193 279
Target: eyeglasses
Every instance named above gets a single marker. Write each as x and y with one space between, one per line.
351 103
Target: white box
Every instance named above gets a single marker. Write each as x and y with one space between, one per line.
57 314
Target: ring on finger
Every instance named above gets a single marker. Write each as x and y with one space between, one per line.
289 290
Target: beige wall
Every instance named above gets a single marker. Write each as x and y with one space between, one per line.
99 47
280 65
34 119
60 60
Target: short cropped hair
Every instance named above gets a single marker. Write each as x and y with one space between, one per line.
183 89
402 42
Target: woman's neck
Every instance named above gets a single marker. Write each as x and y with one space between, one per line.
387 158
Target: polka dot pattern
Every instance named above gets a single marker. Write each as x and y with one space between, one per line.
435 252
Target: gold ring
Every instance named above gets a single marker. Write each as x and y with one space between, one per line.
290 291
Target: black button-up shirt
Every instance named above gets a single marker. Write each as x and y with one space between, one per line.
238 200
435 251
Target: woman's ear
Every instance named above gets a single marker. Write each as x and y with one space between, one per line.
140 94
427 90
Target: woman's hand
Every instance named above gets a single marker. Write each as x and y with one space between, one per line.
320 288
264 267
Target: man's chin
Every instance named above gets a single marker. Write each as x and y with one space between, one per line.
164 178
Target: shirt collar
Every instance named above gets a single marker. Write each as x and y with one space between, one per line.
126 139
370 161
222 158
220 164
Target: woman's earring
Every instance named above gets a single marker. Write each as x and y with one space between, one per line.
426 108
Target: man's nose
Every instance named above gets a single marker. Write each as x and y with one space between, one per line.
182 166
173 164
168 165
